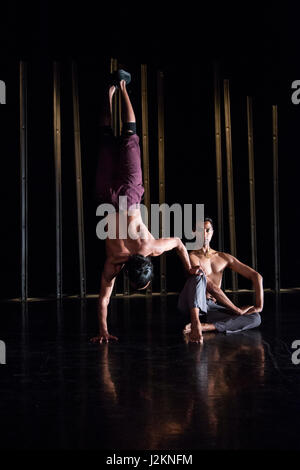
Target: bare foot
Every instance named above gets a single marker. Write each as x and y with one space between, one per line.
208 327
205 327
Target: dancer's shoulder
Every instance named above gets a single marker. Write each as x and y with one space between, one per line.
225 256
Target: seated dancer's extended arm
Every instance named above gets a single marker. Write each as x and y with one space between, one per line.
221 297
259 292
253 276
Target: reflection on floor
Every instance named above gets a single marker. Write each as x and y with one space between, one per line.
151 390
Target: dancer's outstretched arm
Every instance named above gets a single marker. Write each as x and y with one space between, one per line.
166 244
222 298
253 276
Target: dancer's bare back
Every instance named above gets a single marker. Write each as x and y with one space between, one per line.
119 248
131 236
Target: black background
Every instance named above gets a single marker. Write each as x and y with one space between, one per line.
256 49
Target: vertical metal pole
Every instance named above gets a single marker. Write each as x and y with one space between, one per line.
145 145
251 182
161 171
218 137
113 124
57 163
276 199
24 181
230 178
80 218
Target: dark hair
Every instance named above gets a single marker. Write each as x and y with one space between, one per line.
208 219
140 270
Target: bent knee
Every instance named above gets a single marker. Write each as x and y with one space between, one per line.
255 320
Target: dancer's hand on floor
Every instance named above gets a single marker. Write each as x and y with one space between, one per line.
103 338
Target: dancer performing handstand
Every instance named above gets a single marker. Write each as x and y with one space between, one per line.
196 300
119 174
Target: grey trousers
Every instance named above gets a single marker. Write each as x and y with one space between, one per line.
193 295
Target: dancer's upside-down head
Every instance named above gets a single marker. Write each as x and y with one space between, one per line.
140 271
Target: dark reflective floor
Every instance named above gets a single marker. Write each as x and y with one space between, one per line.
151 390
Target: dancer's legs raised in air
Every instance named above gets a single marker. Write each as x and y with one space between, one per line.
130 179
128 116
105 120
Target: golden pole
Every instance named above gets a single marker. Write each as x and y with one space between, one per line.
113 125
145 145
251 182
161 171
77 147
276 198
57 163
24 180
218 140
230 178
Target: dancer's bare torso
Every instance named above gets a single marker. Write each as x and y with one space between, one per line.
213 265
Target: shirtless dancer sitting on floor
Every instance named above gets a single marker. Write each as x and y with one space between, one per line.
200 304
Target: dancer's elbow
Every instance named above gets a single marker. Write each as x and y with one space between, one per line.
257 277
